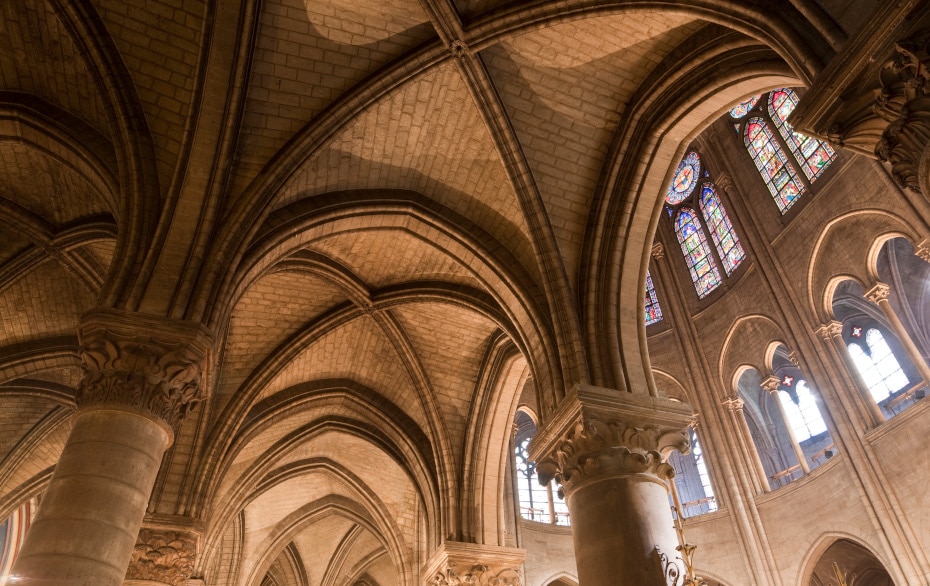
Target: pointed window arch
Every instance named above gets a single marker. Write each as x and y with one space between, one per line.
813 155
725 239
803 416
692 480
777 172
879 368
653 311
703 267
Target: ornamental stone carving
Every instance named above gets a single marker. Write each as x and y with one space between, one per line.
874 96
596 447
608 433
478 574
457 563
733 404
163 556
157 370
879 292
829 331
904 103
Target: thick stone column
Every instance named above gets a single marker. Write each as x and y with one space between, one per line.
142 375
608 450
458 563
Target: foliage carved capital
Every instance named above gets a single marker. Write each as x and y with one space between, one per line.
879 292
156 369
477 574
458 563
601 433
164 556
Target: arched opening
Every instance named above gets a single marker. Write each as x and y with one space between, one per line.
846 559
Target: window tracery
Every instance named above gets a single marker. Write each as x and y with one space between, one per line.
682 199
652 309
878 366
813 155
728 246
777 172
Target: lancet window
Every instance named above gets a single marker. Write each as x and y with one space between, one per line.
683 198
778 170
652 309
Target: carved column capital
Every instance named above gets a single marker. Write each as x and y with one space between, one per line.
658 251
724 181
599 433
457 563
922 250
163 555
147 364
878 292
733 404
770 384
829 331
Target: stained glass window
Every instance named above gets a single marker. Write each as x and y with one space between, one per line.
704 272
880 370
778 173
729 249
743 108
814 155
686 177
653 311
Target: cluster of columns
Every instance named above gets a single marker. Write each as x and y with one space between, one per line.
142 375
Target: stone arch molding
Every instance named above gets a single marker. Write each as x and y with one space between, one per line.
749 343
820 545
838 254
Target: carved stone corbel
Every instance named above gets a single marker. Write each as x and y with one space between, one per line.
163 556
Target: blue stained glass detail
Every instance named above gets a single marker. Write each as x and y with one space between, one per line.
721 230
701 265
685 179
743 108
814 155
777 172
653 311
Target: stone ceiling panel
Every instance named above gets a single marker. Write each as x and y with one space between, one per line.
45 303
388 257
43 455
273 308
565 88
160 45
317 544
308 53
43 185
265 513
471 9
12 242
37 56
427 137
359 351
451 342
20 414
